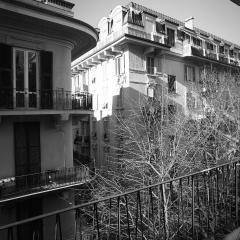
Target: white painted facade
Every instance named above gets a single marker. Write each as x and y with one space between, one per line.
140 50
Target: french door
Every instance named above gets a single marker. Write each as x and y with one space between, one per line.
27 153
25 78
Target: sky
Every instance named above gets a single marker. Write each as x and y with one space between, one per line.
220 17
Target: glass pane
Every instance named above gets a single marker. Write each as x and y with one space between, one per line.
19 70
32 58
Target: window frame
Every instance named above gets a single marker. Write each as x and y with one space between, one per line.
172 42
150 65
172 89
26 89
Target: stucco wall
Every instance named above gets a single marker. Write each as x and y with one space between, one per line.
56 143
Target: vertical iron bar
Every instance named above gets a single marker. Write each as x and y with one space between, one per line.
236 191
151 203
136 224
159 210
96 213
119 218
193 202
58 227
140 212
10 233
162 187
77 225
129 236
179 203
110 214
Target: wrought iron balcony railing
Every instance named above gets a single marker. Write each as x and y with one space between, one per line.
21 186
11 99
59 3
195 206
192 50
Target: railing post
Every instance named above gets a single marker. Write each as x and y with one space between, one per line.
237 191
193 205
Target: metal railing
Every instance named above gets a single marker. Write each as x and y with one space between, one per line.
20 186
194 206
60 3
11 99
189 50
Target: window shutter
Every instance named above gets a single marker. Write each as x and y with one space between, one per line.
46 71
185 72
5 66
46 75
193 72
6 82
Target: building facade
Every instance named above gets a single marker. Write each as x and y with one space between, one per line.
38 41
142 52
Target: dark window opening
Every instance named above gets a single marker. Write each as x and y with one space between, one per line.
160 27
209 46
150 65
221 49
197 42
171 84
171 37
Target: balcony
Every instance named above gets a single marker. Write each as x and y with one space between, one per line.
201 205
190 50
17 187
129 30
59 3
12 100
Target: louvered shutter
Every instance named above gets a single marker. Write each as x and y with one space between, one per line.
46 75
6 82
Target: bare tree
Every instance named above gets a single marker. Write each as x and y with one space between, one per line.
154 142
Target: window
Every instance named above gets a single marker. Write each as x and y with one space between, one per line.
180 35
19 70
231 53
110 26
160 27
189 73
150 65
171 37
187 38
172 110
197 41
209 46
106 128
135 17
25 79
171 84
221 49
119 65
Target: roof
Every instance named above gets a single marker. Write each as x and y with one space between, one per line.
180 23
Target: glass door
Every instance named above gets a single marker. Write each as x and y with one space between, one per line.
25 78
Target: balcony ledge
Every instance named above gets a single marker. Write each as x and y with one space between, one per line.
30 112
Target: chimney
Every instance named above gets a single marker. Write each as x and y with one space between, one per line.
189 23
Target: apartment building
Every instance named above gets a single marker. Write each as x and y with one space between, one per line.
142 53
39 115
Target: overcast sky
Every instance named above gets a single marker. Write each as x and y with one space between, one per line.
220 17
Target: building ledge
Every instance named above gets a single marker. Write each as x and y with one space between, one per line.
19 187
